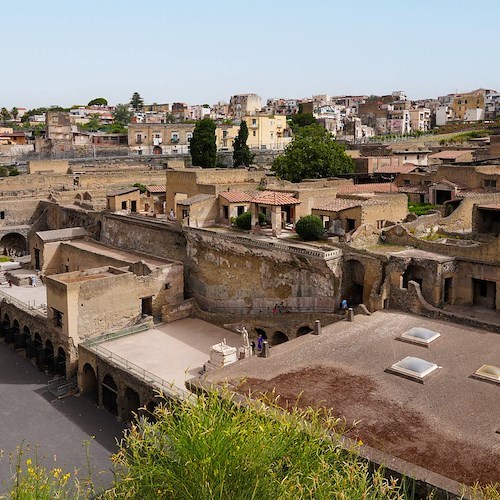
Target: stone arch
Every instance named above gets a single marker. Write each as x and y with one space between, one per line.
13 243
5 329
38 350
88 382
278 338
260 331
354 281
304 330
109 391
49 357
422 276
60 362
28 343
13 334
131 403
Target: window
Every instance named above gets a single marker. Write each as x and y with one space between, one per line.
58 317
240 209
254 133
487 183
138 138
2 214
189 136
185 213
254 121
175 136
225 211
224 134
380 224
124 205
157 135
407 182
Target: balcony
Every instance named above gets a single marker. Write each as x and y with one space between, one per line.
157 141
174 140
253 125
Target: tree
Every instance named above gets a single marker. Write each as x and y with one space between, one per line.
244 221
14 112
4 113
122 114
309 228
136 101
93 125
301 120
98 101
241 152
203 146
313 154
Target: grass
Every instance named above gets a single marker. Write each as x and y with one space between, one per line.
464 136
421 208
4 258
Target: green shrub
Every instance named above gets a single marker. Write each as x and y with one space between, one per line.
244 221
309 228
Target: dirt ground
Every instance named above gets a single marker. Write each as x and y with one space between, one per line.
382 423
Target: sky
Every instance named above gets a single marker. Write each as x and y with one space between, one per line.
65 52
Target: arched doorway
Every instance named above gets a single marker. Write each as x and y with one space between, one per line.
260 331
157 150
13 332
60 366
278 338
4 331
28 344
88 383
13 244
110 394
304 330
38 351
354 278
49 357
18 335
132 402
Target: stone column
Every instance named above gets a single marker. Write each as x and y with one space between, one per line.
276 220
255 217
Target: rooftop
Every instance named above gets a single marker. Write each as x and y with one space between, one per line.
275 198
448 424
156 189
451 154
62 234
375 187
123 191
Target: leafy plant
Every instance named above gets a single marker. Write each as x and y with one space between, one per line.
244 221
309 228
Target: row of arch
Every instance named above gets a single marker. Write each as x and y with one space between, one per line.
123 402
279 337
46 356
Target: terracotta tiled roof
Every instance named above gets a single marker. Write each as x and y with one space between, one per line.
398 169
156 189
376 187
450 155
450 183
413 189
197 198
337 204
238 196
276 199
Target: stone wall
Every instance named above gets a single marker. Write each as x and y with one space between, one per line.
241 273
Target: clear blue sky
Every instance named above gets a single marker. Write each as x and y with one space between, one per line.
200 51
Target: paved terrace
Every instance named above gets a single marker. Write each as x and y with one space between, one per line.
449 424
173 352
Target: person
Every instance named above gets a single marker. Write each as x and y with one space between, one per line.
343 306
281 307
10 283
33 281
275 309
260 343
172 214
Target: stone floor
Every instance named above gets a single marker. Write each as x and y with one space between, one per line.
32 416
33 296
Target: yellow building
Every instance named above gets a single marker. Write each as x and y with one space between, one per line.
469 106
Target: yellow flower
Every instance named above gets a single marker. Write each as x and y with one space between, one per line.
28 462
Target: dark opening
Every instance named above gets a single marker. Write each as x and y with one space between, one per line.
38 350
131 404
4 331
61 362
240 209
260 331
49 357
442 196
110 395
88 383
133 206
278 338
354 278
350 225
484 293
14 334
225 211
303 330
124 205
37 259
2 214
147 306
448 283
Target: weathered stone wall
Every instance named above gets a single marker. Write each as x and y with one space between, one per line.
17 211
238 273
52 166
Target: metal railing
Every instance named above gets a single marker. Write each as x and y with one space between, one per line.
40 309
150 378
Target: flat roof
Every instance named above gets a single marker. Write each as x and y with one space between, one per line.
448 424
415 253
176 351
62 234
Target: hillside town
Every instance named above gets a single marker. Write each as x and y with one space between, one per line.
131 266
